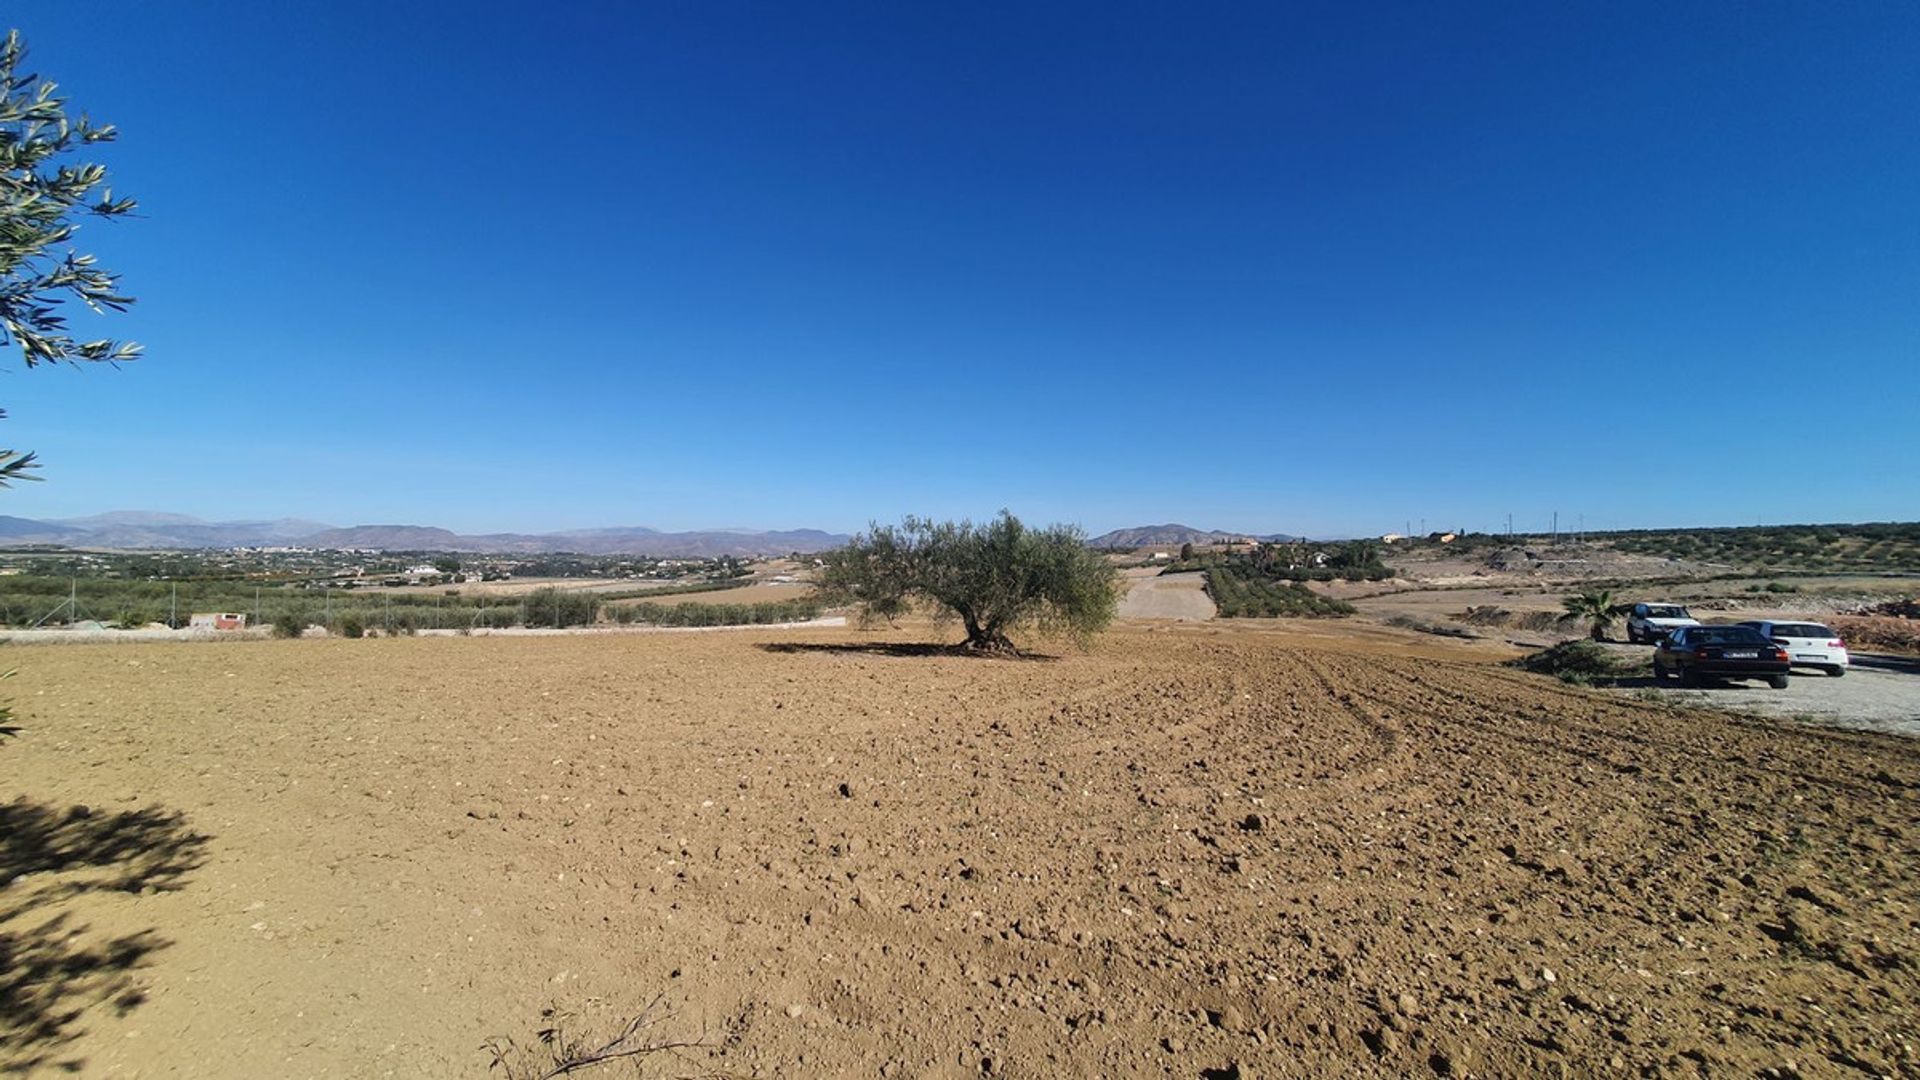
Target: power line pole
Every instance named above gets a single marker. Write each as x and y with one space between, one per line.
173 615
1556 527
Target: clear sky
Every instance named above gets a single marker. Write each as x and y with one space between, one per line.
1310 268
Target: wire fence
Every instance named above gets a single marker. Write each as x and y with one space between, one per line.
79 602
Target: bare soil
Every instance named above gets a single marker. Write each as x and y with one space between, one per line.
1190 850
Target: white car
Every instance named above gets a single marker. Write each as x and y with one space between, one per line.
1808 644
1648 623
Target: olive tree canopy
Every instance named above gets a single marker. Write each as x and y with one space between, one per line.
42 199
995 578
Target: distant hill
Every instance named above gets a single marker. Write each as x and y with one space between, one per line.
616 541
140 529
27 530
388 538
1152 535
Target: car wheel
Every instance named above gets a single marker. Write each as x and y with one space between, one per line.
1689 677
1836 671
1778 682
1659 673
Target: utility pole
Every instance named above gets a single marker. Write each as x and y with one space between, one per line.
1556 527
173 619
73 601
1509 523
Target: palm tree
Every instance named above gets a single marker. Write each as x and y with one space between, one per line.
1597 607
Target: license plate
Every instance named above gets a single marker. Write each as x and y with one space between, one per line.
1741 655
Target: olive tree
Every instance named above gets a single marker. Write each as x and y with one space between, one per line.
43 198
995 578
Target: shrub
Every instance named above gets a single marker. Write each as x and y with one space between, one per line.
496 617
1543 621
289 624
715 614
1409 622
561 607
1579 662
349 625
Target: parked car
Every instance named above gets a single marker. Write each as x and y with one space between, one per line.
1648 623
1808 644
1696 653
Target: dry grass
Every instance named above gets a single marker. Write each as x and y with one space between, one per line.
1880 633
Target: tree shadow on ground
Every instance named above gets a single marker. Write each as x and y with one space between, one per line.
51 969
898 648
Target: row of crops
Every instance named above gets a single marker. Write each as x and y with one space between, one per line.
1244 596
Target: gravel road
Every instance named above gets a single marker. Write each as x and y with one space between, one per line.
1168 596
1880 693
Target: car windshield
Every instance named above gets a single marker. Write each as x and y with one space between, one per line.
1725 635
1665 611
1801 630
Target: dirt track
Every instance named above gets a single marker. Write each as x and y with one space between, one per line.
1182 597
1189 848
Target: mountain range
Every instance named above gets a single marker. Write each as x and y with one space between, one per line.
137 529
1155 535
152 530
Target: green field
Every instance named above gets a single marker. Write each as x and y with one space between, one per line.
1240 595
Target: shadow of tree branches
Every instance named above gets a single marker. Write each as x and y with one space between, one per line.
898 649
52 970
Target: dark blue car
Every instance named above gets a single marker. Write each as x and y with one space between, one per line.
1699 653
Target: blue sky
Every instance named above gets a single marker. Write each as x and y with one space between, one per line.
1306 268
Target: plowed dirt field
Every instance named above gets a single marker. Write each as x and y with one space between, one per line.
1193 851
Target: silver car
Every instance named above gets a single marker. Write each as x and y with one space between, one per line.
1808 644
